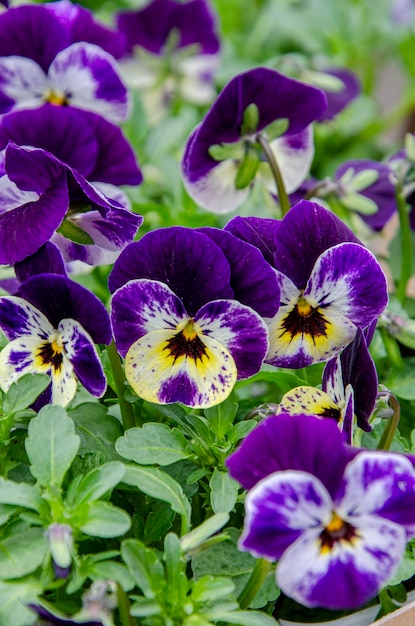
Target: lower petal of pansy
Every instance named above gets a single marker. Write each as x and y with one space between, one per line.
312 401
303 332
80 351
323 570
165 366
239 329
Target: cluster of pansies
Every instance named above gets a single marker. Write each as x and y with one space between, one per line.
189 311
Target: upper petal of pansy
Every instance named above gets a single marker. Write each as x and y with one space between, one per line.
151 26
253 280
22 83
258 231
306 232
80 350
59 298
33 191
47 260
304 332
280 508
32 31
349 278
180 366
189 262
19 317
239 329
294 155
292 442
347 88
143 306
85 76
388 482
345 573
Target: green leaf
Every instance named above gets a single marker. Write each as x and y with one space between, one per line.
225 151
276 128
200 534
75 233
224 491
153 443
145 608
20 494
144 566
24 392
242 618
99 481
13 598
221 416
98 430
158 484
211 588
158 522
51 445
111 570
21 553
105 520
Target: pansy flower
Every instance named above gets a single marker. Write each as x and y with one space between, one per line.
52 325
82 75
45 182
330 286
182 316
337 519
349 390
222 156
172 52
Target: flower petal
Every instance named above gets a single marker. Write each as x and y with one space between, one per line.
311 401
280 508
142 306
158 375
258 231
22 83
348 575
19 317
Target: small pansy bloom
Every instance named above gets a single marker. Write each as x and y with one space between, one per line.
223 156
52 325
330 285
177 319
337 519
82 75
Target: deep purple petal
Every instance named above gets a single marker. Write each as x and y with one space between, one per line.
150 27
61 620
59 298
240 330
338 100
189 262
140 307
275 95
47 260
258 231
306 232
253 280
382 192
292 442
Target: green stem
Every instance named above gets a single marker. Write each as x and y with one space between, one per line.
392 348
406 252
124 608
127 413
259 573
392 425
276 172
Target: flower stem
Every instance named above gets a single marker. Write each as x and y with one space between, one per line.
259 573
276 172
392 425
406 260
124 608
127 413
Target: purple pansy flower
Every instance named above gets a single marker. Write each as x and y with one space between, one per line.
47 185
40 32
349 389
330 285
82 75
172 50
337 519
340 85
177 314
52 325
226 142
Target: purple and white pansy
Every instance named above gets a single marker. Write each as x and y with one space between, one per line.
177 319
223 155
337 519
52 325
82 75
330 285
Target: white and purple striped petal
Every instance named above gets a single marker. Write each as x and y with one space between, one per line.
22 83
